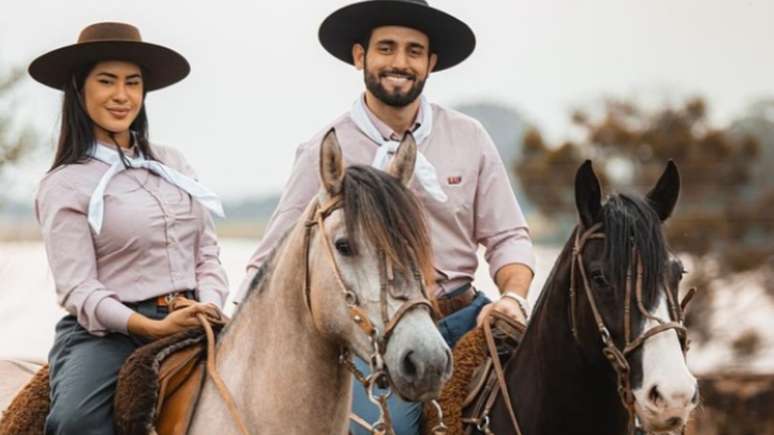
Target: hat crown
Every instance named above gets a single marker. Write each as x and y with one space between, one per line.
109 32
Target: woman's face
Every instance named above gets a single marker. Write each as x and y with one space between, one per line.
113 94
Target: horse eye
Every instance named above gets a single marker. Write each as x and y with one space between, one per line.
599 278
342 245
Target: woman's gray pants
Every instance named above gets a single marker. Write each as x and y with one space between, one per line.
82 375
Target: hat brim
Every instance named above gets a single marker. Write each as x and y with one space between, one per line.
161 66
450 39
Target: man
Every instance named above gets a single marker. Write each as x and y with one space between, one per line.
460 177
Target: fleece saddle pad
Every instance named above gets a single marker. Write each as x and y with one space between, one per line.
473 382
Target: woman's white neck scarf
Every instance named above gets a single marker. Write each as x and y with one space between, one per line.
110 156
424 170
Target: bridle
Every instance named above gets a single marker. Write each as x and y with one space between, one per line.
379 375
615 355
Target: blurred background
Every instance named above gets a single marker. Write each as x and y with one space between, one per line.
629 84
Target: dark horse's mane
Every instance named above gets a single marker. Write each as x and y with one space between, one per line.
630 222
380 209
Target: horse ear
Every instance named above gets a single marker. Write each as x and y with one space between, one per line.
402 164
663 196
588 195
331 164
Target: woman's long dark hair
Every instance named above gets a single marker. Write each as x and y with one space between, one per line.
76 136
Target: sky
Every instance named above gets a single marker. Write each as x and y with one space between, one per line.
261 83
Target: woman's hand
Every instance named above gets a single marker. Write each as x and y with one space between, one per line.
176 321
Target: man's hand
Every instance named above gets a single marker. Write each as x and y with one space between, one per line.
505 305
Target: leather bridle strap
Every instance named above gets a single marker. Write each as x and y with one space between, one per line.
616 356
359 316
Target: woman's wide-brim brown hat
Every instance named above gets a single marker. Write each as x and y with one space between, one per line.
111 41
450 39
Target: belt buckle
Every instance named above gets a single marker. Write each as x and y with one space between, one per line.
169 297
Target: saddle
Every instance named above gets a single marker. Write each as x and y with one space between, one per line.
158 388
468 397
159 385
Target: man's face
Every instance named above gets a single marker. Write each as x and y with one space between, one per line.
396 64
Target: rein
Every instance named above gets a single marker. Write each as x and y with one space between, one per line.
379 375
615 355
180 302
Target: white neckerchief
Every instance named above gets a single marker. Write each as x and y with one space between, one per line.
424 170
110 156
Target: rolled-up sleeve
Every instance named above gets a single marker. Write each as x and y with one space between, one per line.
70 250
211 278
301 187
500 225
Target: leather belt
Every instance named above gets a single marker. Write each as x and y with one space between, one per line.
164 301
456 300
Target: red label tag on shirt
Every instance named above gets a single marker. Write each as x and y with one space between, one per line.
454 180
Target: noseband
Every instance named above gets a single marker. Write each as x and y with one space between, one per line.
615 355
379 374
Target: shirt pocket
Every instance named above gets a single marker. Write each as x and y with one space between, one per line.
460 187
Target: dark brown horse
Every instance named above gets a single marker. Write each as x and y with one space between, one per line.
604 346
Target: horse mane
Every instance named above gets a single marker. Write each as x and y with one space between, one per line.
376 205
630 222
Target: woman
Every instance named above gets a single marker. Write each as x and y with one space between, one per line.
125 224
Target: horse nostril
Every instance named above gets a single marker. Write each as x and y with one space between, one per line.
407 365
674 422
654 395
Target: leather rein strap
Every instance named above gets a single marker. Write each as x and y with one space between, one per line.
212 370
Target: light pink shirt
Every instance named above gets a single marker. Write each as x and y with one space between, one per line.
481 206
155 240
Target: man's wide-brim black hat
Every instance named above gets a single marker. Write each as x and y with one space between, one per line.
450 39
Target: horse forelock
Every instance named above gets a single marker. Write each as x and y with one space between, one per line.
631 224
377 206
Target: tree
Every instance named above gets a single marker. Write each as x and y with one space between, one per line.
725 217
15 142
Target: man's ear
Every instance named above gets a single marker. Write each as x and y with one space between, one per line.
433 62
358 56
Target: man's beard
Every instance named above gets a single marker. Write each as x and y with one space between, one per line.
396 98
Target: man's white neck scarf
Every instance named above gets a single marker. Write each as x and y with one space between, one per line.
110 156
424 170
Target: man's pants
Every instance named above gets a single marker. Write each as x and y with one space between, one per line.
82 374
407 416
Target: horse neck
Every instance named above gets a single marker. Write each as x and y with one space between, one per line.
284 375
553 386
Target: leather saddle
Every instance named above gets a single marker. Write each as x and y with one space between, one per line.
159 386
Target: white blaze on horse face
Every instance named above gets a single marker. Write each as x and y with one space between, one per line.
666 397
